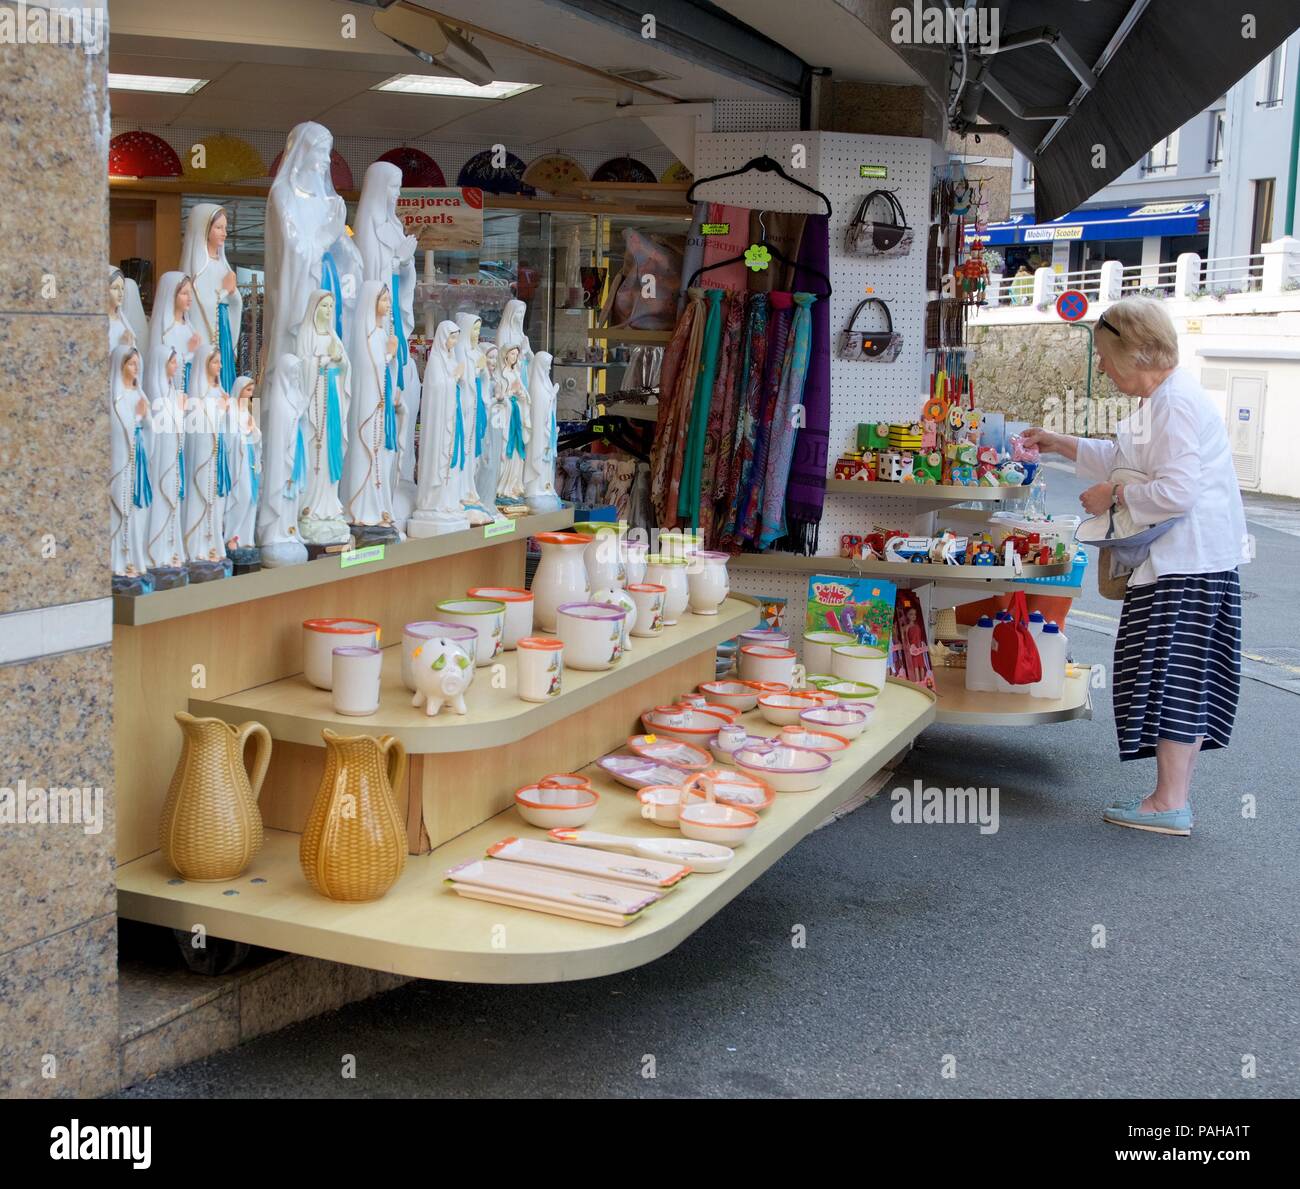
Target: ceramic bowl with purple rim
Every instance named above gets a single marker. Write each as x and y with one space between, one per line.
637 772
758 636
786 769
592 634
414 634
849 721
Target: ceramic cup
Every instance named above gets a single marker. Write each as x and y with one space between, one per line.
817 648
648 598
487 616
561 576
860 662
592 634
762 636
320 637
619 598
354 671
707 582
766 662
539 663
519 610
414 634
670 573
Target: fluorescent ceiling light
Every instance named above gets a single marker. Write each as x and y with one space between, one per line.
423 84
155 82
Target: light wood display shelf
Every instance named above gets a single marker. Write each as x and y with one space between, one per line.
959 706
295 711
622 334
632 410
424 930
986 578
243 588
931 492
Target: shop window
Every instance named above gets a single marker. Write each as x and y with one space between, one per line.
1269 86
1163 158
1261 221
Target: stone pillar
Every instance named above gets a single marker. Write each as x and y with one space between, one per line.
58 925
1111 283
1044 287
1281 264
1187 274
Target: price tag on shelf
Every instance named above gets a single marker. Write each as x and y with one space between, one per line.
498 528
359 557
873 171
715 228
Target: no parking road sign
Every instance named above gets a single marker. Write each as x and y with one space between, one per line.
1072 305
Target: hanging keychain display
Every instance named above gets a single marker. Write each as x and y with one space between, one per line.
889 236
870 346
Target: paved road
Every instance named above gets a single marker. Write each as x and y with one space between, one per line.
923 942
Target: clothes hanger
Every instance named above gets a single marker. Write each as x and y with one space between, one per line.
609 431
774 252
763 164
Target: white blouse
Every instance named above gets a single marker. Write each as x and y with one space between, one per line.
1178 438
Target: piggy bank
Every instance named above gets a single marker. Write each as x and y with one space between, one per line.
442 671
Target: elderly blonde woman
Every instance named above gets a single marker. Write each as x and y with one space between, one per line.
1178 654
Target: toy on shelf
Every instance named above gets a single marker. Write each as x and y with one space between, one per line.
873 437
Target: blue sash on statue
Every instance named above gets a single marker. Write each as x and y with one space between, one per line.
299 476
226 346
333 423
523 368
329 280
515 445
458 442
390 413
480 417
252 472
180 474
403 352
142 492
223 467
185 380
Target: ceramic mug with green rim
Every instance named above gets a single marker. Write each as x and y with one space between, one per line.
817 648
487 616
819 680
860 662
853 693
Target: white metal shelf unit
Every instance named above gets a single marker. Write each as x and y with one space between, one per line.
860 392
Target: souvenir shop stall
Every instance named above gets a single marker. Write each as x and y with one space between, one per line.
490 603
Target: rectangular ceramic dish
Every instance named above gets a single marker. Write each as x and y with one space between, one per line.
560 887
600 864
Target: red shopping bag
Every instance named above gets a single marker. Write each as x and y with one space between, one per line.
1015 654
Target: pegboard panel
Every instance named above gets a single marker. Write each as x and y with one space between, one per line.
755 115
859 391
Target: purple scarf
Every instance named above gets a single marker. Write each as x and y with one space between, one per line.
806 492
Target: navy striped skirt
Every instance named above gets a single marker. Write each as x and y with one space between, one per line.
1178 662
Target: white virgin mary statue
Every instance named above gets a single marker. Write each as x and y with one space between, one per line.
510 333
327 387
166 460
244 456
474 404
539 463
305 218
170 328
444 445
218 305
510 484
284 464
372 418
130 491
208 482
120 331
493 433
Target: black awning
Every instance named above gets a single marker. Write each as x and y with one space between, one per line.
1147 66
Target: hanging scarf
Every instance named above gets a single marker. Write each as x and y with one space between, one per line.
390 413
223 467
749 403
677 384
688 500
329 278
458 440
226 346
141 491
480 417
403 352
299 476
806 490
180 474
794 367
333 423
515 445
722 417
252 473
777 335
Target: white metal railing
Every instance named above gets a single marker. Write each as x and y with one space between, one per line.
1148 278
1233 274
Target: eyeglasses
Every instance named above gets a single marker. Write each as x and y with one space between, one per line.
1101 321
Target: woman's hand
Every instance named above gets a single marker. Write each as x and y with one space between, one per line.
1096 499
1044 439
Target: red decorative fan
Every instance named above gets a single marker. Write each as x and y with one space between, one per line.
419 170
340 170
142 155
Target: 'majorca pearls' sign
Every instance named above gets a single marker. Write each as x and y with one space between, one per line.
449 219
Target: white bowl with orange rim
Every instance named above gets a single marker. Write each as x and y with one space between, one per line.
766 662
320 637
519 610
548 808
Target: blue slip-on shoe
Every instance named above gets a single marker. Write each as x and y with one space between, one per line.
1128 802
1170 821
